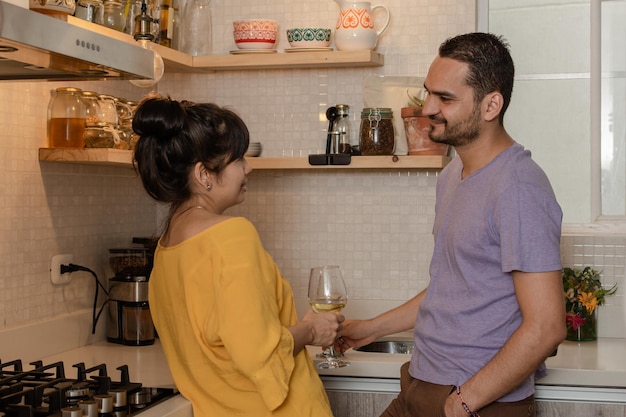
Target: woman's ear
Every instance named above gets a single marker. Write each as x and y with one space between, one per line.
493 105
202 175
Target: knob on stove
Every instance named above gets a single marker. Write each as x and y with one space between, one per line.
71 412
119 398
105 404
89 407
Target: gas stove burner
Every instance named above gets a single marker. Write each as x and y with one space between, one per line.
45 391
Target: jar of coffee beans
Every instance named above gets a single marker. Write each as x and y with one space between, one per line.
377 133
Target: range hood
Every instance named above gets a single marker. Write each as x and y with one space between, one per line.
34 46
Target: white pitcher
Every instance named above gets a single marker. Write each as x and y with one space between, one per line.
355 28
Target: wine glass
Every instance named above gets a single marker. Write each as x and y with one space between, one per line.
327 293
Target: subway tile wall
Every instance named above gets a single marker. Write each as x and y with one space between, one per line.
375 224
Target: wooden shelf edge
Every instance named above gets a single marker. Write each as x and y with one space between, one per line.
289 60
123 158
95 156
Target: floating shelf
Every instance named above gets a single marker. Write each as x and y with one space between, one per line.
123 158
176 61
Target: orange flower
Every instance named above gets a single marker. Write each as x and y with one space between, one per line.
589 300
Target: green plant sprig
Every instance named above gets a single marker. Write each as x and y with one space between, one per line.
414 101
576 281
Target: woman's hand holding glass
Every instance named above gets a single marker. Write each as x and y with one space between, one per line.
324 327
327 293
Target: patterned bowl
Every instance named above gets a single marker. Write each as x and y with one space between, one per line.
255 24
308 37
255 33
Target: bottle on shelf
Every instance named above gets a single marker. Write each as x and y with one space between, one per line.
196 27
166 26
342 127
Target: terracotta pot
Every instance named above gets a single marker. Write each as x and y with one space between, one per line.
416 128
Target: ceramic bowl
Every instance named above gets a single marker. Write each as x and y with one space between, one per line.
308 37
255 33
254 149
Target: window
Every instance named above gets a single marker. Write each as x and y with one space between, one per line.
569 100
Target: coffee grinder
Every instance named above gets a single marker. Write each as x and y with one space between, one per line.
128 320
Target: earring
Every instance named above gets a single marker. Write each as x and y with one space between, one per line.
209 186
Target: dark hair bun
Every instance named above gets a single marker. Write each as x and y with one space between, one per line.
159 117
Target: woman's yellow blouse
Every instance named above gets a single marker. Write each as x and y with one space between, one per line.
221 309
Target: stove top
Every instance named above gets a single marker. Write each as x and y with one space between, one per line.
46 391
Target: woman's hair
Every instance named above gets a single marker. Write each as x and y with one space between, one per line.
175 135
490 64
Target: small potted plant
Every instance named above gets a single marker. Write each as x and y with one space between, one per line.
416 128
583 294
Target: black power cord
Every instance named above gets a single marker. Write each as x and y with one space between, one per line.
94 317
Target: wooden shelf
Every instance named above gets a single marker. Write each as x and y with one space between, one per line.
123 158
176 61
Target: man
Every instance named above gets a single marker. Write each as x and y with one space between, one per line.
493 310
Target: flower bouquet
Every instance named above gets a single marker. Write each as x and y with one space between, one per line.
583 294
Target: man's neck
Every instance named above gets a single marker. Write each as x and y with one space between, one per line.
483 150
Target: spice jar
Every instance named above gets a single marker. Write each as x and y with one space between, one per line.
93 114
99 136
66 118
377 132
89 10
113 15
109 111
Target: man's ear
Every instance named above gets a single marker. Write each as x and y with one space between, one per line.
493 103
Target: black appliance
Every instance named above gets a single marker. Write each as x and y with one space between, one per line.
45 391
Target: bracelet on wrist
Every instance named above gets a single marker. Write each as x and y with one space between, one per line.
466 407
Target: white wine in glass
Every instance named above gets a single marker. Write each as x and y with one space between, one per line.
327 293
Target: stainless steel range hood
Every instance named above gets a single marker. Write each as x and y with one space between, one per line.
34 46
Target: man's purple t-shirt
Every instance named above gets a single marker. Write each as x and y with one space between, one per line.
501 218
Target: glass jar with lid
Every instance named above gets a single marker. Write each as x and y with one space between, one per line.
113 15
377 136
89 10
66 118
93 113
99 135
107 106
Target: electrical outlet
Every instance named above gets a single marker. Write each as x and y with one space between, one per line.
55 269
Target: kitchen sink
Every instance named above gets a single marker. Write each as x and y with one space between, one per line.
400 347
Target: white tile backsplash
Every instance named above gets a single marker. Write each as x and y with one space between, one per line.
375 224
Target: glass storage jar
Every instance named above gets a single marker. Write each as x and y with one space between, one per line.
93 113
113 15
377 135
66 118
107 106
89 10
99 136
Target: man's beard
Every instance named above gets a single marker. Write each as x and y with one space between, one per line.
460 133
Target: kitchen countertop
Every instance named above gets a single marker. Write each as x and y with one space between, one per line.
601 363
586 371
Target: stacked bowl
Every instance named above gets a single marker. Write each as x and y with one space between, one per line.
255 33
254 149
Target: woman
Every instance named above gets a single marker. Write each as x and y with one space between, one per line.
224 313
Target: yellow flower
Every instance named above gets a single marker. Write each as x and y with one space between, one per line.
589 300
